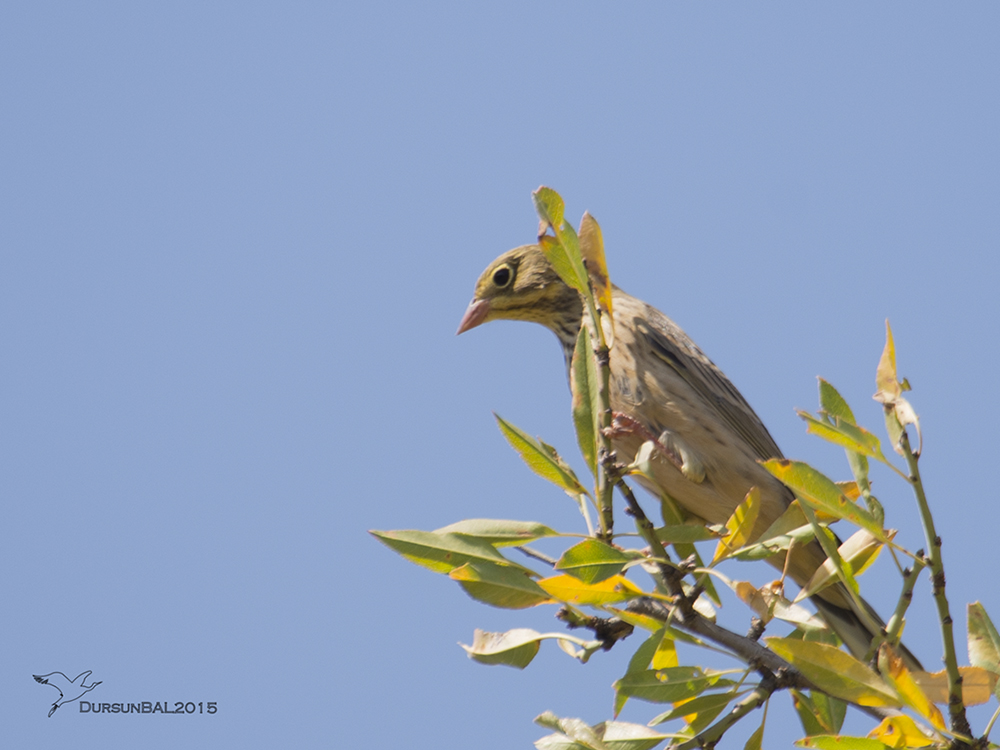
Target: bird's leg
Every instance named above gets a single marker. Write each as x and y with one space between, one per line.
623 425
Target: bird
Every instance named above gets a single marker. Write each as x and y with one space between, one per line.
712 442
69 690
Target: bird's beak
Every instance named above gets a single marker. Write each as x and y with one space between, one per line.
474 315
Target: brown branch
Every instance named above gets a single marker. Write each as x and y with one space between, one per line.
777 673
608 630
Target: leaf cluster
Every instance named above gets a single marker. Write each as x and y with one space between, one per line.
593 582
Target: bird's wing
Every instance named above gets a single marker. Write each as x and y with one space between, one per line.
671 345
80 678
44 680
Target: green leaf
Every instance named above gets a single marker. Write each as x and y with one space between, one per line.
541 458
571 245
828 541
592 561
838 742
621 735
639 662
515 648
835 672
894 428
849 436
819 713
703 703
836 408
984 641
563 250
685 533
499 586
754 742
812 723
549 206
859 551
439 552
499 533
822 494
669 685
585 387
831 711
561 263
571 734
833 403
574 734
791 526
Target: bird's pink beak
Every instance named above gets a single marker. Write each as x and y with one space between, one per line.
474 315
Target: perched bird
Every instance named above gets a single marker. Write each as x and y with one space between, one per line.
663 384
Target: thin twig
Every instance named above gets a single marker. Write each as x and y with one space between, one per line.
608 630
602 355
895 626
647 531
533 553
956 705
986 734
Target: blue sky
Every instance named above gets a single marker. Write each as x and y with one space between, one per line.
237 241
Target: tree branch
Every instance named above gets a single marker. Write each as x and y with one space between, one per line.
910 575
956 705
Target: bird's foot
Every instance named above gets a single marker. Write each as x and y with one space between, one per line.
622 425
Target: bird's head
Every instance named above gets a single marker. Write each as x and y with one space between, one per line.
522 285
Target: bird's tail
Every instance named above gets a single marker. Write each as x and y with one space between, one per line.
854 633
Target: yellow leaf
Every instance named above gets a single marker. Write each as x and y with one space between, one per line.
901 681
753 599
850 489
666 653
899 732
572 590
977 685
835 672
592 249
740 526
885 375
820 493
839 742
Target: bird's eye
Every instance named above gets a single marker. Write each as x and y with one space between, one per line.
501 276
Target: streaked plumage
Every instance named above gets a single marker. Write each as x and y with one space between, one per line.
661 379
